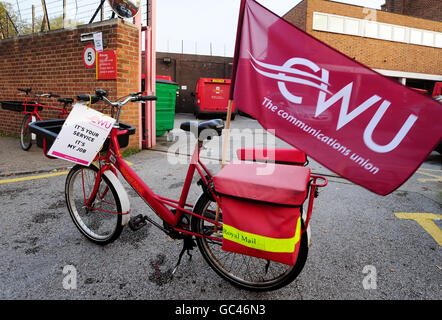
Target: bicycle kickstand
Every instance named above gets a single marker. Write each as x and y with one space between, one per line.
188 245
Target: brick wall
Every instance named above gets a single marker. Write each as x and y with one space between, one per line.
375 53
396 6
298 15
128 79
428 9
53 62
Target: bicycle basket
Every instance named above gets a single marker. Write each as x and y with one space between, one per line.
123 139
46 130
49 129
18 106
261 214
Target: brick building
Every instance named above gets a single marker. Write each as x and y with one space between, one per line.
406 48
427 9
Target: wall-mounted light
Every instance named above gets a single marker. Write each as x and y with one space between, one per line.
167 60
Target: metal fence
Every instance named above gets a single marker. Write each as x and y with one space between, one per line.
18 17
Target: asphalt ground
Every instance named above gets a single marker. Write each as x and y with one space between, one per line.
364 246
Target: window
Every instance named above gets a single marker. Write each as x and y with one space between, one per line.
398 34
373 29
428 39
438 40
336 24
415 36
385 31
320 22
351 26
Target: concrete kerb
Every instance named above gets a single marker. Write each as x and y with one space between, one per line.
14 161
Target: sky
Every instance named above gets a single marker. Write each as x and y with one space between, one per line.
188 26
209 26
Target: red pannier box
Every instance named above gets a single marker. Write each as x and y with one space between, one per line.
291 156
262 212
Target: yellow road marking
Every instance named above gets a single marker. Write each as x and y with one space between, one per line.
437 178
42 176
426 169
426 222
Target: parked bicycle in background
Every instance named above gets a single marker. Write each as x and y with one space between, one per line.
31 108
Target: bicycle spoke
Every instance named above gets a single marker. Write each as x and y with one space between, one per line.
267 266
243 270
99 220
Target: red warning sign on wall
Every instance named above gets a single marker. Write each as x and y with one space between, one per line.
106 65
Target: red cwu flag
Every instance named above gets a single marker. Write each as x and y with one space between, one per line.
363 126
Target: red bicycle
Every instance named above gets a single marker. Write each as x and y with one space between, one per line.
31 107
99 206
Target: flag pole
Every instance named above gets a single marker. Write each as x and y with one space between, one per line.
226 133
232 83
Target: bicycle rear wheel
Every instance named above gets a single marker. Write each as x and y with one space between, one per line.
25 133
243 271
100 222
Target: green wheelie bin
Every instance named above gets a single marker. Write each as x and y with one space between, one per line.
165 105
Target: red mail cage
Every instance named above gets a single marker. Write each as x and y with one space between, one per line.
212 96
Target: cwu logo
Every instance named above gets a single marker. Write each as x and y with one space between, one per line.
320 80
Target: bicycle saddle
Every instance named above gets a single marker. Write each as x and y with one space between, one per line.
27 91
65 100
214 126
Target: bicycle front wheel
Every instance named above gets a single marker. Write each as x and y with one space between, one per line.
100 222
243 271
25 133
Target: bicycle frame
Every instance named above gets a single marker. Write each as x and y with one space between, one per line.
114 161
64 113
34 113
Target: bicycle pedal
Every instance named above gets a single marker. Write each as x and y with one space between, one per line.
136 223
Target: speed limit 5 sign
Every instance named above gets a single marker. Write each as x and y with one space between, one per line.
89 56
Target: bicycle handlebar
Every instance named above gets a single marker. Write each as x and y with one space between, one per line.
144 98
134 97
48 94
100 95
